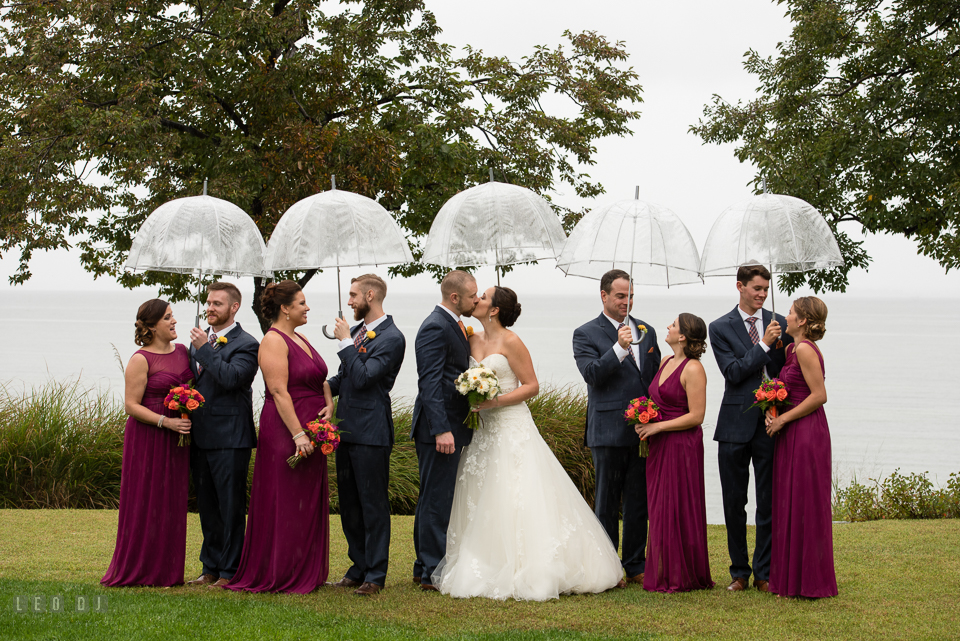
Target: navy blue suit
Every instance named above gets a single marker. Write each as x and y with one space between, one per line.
443 353
614 445
742 436
222 438
363 384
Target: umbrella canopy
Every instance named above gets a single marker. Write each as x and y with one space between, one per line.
336 229
493 224
783 233
647 241
198 235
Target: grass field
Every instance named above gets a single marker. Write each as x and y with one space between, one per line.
897 580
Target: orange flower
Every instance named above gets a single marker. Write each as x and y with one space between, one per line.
177 390
781 394
771 395
631 412
653 413
173 405
326 448
644 417
192 404
760 395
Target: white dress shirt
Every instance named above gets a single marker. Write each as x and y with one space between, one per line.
618 349
760 330
223 332
348 342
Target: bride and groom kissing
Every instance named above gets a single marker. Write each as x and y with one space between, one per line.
498 515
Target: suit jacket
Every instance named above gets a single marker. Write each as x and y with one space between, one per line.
226 419
612 384
443 353
363 384
741 363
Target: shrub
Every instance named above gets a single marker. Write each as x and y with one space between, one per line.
898 497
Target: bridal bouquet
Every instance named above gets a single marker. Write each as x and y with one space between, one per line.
771 395
323 434
641 411
183 399
478 384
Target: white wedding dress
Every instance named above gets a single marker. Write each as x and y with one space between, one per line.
519 528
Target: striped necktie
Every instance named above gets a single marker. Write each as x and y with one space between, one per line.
360 336
754 336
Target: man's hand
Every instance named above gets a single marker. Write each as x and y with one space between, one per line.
625 337
198 337
341 329
772 334
445 443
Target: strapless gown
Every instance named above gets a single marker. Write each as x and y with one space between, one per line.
519 528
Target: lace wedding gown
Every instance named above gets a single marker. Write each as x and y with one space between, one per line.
519 528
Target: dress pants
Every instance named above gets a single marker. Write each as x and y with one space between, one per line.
622 480
220 481
438 478
363 478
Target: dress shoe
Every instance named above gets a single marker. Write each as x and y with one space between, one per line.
621 584
219 583
426 587
761 585
739 584
203 579
367 589
636 579
416 580
346 583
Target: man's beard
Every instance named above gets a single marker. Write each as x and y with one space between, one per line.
361 310
214 320
468 312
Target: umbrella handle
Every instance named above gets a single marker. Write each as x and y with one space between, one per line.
324 328
640 340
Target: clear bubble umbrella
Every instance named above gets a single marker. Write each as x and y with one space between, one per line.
783 233
647 241
336 229
199 235
493 224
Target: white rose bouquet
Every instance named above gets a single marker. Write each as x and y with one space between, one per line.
478 384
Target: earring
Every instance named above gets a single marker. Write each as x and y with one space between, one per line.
490 318
288 316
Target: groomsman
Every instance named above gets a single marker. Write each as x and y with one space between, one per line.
443 353
747 345
224 364
371 353
616 371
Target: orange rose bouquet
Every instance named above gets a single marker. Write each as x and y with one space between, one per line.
770 396
324 435
641 411
183 399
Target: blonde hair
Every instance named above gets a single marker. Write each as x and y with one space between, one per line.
814 311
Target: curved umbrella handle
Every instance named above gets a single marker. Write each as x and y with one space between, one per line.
324 328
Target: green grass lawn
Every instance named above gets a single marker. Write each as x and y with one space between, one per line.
897 580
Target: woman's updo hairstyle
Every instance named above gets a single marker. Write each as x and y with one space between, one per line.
695 331
814 311
275 295
505 299
149 314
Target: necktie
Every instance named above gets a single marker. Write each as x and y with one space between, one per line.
464 330
212 338
630 355
360 336
754 336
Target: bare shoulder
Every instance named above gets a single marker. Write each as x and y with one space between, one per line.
514 343
694 367
137 361
665 358
273 342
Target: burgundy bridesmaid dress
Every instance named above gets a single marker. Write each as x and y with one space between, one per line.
802 559
677 556
287 544
152 530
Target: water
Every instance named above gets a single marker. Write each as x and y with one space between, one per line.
891 365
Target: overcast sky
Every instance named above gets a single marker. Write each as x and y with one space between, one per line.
684 52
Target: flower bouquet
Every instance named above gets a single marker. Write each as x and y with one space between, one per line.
184 399
771 395
641 411
478 384
323 434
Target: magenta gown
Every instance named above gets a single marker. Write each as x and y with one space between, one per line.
287 543
802 560
677 556
152 529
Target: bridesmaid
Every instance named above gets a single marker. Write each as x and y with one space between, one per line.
287 544
152 528
802 561
677 558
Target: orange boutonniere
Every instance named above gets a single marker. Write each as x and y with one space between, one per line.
469 331
221 340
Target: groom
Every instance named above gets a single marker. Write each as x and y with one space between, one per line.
224 364
443 353
747 345
616 371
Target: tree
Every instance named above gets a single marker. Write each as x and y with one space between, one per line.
858 117
116 107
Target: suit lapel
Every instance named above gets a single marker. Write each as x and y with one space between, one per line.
736 323
456 326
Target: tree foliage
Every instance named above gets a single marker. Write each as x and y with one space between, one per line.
858 116
116 107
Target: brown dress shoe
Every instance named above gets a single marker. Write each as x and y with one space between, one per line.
416 580
367 589
426 587
621 584
636 579
219 583
346 583
203 579
761 585
739 584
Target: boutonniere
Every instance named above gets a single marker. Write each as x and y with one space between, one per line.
469 331
371 335
221 340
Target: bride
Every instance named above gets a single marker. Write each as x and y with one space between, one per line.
519 528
